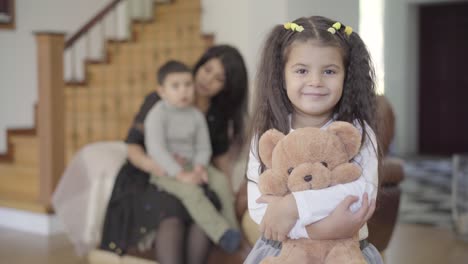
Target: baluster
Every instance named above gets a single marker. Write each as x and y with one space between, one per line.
73 64
103 85
116 86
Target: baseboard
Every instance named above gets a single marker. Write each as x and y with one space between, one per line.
41 224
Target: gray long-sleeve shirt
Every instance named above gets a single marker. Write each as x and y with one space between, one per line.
183 131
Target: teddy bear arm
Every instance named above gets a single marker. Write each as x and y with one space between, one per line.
345 173
272 184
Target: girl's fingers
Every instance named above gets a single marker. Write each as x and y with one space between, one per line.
371 210
261 228
281 237
362 212
267 233
348 201
266 199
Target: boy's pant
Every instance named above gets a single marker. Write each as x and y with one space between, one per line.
200 208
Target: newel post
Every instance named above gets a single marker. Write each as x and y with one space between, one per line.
51 115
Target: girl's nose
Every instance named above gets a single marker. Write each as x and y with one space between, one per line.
314 80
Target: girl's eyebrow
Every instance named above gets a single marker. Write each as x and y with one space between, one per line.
332 66
300 64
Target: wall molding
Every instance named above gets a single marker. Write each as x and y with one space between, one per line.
40 224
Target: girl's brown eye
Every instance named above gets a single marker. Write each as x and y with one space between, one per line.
324 164
290 170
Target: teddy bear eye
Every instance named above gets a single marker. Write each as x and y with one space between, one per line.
324 164
290 170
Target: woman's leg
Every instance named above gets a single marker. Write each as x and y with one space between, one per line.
198 245
170 241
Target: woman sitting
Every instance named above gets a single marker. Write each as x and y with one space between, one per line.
138 211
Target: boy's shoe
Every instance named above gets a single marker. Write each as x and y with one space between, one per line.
230 241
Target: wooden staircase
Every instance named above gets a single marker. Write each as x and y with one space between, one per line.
19 179
102 106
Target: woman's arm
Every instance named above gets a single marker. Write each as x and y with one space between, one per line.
137 156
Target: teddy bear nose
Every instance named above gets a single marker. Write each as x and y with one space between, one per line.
308 178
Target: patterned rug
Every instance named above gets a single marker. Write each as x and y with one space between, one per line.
426 192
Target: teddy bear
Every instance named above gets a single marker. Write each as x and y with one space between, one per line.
310 159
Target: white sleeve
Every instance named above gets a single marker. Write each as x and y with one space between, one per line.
314 205
257 210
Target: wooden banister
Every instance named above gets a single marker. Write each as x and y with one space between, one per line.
100 15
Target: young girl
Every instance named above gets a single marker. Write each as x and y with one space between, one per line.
312 72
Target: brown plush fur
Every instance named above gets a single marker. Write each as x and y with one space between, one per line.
310 159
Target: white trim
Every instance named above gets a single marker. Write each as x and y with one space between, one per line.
41 224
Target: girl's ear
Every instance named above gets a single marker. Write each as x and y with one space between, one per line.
349 136
267 143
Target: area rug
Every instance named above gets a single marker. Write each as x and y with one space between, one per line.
426 192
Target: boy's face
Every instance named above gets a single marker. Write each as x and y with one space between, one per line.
177 89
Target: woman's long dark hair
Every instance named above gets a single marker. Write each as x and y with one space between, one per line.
231 101
272 105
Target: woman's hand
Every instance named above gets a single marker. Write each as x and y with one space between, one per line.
280 217
342 223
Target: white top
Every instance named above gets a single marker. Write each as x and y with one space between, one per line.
314 205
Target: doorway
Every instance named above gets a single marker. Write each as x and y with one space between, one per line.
443 79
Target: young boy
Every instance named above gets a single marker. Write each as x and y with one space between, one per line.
173 127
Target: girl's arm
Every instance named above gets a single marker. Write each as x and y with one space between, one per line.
331 227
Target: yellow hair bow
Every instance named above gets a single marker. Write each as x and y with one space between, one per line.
348 30
293 26
337 26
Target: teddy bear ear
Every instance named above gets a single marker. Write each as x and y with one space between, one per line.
267 143
349 136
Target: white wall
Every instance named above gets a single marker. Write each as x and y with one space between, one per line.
18 69
401 68
345 11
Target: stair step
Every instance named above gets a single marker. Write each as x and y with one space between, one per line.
19 183
26 150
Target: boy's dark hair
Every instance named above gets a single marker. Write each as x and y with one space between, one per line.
272 105
169 67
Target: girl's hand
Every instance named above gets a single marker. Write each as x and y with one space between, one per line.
342 223
280 217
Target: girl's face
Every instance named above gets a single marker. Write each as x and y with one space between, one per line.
314 76
210 78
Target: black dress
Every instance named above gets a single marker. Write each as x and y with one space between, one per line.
136 207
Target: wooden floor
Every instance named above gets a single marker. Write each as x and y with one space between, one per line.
411 244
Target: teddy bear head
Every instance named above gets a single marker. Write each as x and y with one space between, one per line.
308 158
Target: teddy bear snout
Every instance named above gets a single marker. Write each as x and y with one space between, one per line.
308 178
